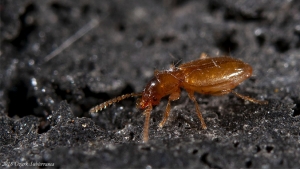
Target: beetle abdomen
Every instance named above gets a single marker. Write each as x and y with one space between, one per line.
215 75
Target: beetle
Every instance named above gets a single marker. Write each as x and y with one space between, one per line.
207 75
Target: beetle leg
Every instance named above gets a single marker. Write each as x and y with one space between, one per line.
250 99
192 97
174 96
146 124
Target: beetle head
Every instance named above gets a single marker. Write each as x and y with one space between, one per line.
150 95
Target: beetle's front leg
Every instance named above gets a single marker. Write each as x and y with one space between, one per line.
146 124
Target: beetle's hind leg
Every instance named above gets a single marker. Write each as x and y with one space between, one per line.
250 99
192 97
174 96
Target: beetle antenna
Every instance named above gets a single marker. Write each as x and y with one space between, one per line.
103 105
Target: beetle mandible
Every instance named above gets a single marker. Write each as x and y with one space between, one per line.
207 75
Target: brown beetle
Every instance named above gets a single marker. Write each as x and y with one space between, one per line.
214 76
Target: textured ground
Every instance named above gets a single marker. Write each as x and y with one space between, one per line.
45 96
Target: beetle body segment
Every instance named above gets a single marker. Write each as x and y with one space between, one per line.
214 75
